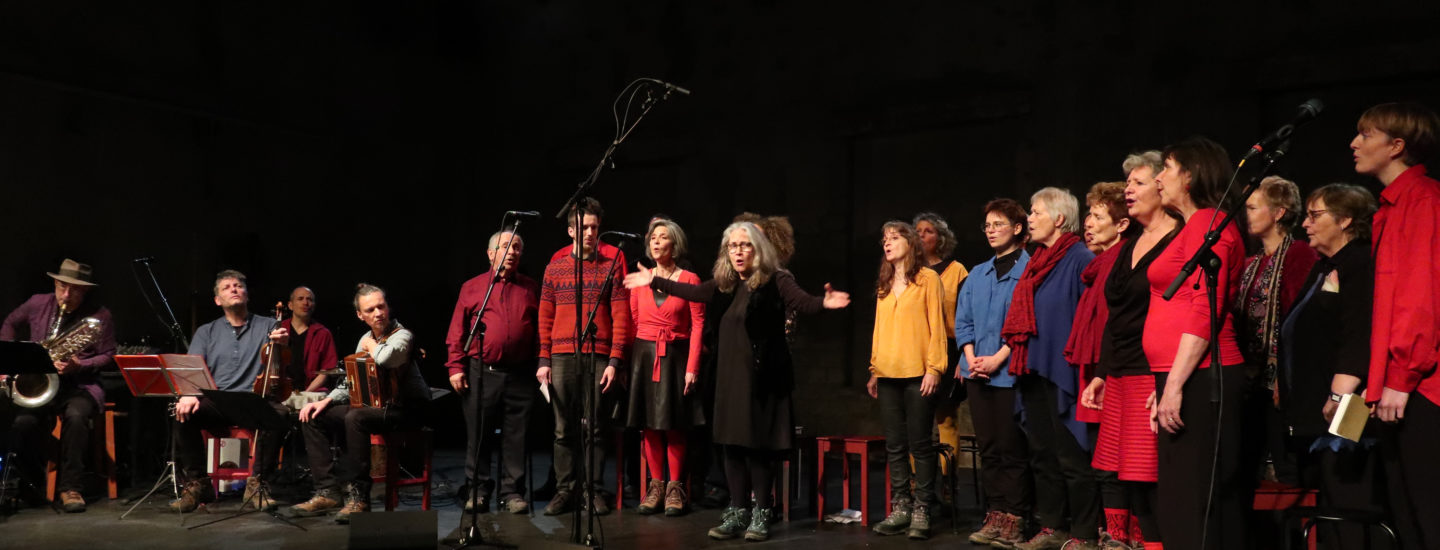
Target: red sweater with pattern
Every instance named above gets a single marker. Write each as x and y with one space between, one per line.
557 305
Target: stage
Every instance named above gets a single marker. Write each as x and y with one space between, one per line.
153 527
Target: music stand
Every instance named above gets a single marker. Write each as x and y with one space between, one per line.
252 410
21 358
167 375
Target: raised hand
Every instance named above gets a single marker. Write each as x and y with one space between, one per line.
834 299
640 277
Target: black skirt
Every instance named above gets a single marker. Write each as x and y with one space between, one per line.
662 405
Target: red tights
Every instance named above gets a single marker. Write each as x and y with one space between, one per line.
662 444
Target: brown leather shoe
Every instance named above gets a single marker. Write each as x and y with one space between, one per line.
255 498
192 495
72 501
320 504
651 504
357 501
674 499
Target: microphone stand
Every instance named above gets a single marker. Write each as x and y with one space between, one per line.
1206 259
590 417
473 536
172 325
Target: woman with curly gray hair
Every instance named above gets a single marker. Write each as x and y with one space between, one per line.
938 242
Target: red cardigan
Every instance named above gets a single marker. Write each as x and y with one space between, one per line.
1406 330
675 319
1188 312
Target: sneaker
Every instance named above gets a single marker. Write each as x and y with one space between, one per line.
481 502
355 502
651 503
1011 531
988 530
919 522
674 499
256 498
192 495
72 501
759 529
322 503
516 504
1046 539
559 504
598 505
733 521
898 519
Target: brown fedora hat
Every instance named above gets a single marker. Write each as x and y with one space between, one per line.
74 272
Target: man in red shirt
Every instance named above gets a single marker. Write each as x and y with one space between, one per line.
500 369
561 366
1394 141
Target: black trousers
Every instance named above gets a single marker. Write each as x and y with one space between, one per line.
1004 454
190 445
1064 480
350 429
908 420
1185 461
29 429
504 394
1408 451
567 401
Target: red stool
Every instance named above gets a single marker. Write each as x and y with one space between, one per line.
1271 496
394 443
238 473
104 455
856 445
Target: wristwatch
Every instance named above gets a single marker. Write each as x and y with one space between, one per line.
1335 397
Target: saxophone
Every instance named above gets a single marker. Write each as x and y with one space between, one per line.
35 390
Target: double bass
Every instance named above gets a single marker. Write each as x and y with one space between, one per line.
272 382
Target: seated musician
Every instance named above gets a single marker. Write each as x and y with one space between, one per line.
39 318
231 348
390 346
312 347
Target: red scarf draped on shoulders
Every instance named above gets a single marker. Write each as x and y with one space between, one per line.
1020 320
1091 314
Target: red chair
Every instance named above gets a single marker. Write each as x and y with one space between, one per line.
395 443
104 454
849 445
1272 495
238 473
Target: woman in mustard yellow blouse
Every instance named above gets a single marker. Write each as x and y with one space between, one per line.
907 357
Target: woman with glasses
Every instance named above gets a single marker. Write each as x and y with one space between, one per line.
754 414
980 311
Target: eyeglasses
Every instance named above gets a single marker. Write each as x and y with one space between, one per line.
1313 215
741 247
995 225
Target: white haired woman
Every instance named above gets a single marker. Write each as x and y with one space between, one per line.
754 414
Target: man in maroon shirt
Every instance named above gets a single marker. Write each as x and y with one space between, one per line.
561 358
1394 141
500 369
80 394
312 347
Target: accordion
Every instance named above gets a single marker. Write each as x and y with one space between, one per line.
371 385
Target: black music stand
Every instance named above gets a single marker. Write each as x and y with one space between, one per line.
168 375
21 358
252 410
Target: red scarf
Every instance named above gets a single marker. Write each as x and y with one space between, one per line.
1020 320
1083 348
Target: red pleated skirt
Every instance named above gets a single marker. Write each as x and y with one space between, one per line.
1126 444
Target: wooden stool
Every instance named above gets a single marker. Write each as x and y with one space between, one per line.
104 454
856 445
394 443
237 473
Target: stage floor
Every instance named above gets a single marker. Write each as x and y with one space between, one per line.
152 527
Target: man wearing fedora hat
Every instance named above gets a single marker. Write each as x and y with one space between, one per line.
80 393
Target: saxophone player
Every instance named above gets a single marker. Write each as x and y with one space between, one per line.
41 317
390 346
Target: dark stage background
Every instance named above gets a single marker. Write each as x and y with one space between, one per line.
326 143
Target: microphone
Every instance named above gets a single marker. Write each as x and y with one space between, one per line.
1306 112
671 87
620 234
144 260
523 213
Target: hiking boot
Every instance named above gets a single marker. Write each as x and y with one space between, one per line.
597 504
72 501
1079 544
651 504
759 529
919 522
322 503
255 497
1046 539
674 499
733 521
1011 531
560 503
898 519
516 504
480 503
1108 543
988 530
356 501
192 495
